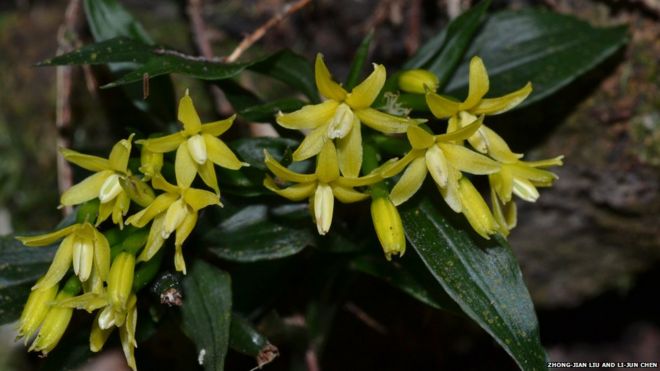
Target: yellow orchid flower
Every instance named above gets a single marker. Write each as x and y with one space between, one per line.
443 158
340 117
104 184
461 114
82 245
522 179
119 308
197 148
321 188
175 210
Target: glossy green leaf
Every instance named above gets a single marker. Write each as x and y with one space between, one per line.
155 61
543 47
459 35
266 112
251 150
408 275
20 267
358 61
259 232
481 276
244 338
107 19
292 69
206 313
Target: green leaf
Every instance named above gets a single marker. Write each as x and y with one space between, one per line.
259 232
20 267
155 61
251 150
408 275
459 35
206 313
244 338
358 61
546 48
107 19
266 112
482 276
292 69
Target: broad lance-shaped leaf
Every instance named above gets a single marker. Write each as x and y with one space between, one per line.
258 232
155 61
482 276
358 61
206 313
546 48
20 267
292 69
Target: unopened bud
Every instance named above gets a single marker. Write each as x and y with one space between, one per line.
120 280
137 190
389 227
35 310
418 81
476 210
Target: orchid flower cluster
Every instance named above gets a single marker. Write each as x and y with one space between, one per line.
334 134
104 267
103 278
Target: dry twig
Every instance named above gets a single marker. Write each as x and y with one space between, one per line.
261 31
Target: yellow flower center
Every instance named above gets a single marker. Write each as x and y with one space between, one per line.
175 215
341 123
110 189
197 149
323 207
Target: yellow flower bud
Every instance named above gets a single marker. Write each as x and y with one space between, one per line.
137 190
35 310
389 228
56 320
418 81
120 280
476 210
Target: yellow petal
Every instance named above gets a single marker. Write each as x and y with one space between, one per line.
59 266
53 327
197 148
502 183
120 153
348 195
127 336
341 123
285 174
98 336
48 238
185 229
327 87
207 173
220 154
296 192
525 190
163 144
105 210
462 133
35 310
198 199
159 183
188 116
494 106
109 189
469 161
309 117
441 107
437 165
371 178
476 210
497 147
540 176
218 128
363 95
174 216
185 167
555 161
392 168
410 182
86 190
384 122
101 254
478 84
160 204
324 203
312 144
349 150
155 239
90 301
450 193
91 163
121 205
327 167
419 138
179 261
